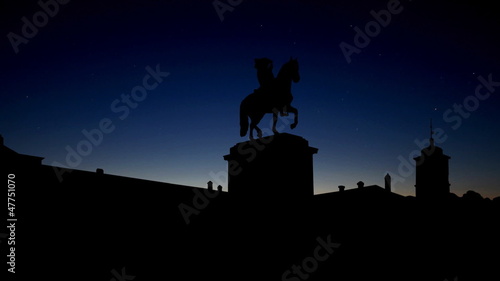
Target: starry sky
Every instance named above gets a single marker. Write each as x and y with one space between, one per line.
155 85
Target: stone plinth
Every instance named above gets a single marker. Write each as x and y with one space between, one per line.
278 166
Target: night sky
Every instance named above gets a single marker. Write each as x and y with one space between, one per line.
366 104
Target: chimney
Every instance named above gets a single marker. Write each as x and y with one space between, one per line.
210 185
99 171
1 140
219 188
387 180
341 188
360 184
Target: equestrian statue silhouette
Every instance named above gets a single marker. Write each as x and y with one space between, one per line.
265 73
274 96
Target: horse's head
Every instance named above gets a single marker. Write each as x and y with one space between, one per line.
293 68
289 72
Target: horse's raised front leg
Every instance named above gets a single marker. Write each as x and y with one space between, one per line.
295 116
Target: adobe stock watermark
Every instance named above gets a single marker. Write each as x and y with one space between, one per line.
483 91
407 166
121 106
310 264
222 7
372 29
251 151
201 200
40 19
121 276
454 115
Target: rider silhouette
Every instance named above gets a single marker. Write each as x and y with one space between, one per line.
266 77
265 74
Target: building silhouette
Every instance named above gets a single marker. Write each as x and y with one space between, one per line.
94 222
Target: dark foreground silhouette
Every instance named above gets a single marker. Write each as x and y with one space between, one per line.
93 226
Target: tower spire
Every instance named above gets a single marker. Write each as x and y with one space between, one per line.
431 140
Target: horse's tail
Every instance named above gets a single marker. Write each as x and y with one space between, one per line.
243 119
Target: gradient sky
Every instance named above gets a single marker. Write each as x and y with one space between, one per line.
364 116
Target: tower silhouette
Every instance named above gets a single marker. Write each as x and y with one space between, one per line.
432 172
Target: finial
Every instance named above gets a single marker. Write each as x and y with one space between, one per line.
431 140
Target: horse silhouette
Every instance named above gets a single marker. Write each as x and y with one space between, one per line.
274 98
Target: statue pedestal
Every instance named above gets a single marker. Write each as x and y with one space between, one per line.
274 167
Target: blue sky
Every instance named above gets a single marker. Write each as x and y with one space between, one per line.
364 116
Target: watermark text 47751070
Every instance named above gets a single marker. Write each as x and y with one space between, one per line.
11 222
